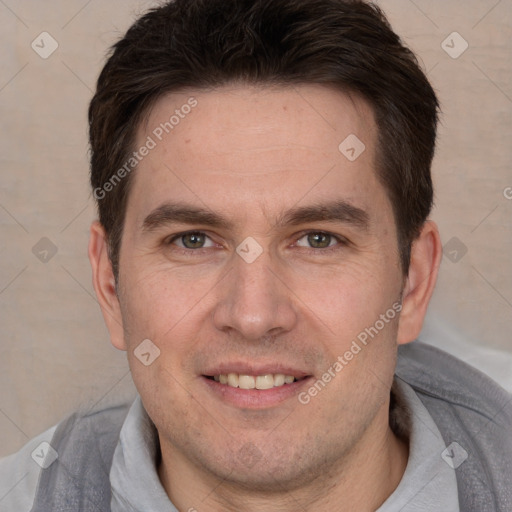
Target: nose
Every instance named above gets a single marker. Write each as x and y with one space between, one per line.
255 301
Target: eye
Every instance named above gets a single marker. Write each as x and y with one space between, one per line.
318 240
192 240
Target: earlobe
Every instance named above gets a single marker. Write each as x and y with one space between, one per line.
426 255
104 284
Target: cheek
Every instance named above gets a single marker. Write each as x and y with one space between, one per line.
161 300
163 310
166 396
346 299
170 313
356 319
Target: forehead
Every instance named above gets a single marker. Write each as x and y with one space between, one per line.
257 147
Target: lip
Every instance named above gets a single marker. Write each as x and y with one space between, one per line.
255 398
244 368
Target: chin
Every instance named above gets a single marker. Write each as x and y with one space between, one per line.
254 471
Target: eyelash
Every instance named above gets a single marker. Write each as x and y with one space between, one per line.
341 242
184 250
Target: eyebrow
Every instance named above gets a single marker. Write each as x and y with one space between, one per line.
336 211
169 213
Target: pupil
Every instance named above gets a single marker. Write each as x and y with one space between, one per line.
193 241
319 240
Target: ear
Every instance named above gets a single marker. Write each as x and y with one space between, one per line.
104 284
426 255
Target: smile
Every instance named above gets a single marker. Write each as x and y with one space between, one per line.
245 391
237 380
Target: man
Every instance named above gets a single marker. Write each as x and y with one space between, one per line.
263 249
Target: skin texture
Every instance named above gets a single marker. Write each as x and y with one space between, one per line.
251 155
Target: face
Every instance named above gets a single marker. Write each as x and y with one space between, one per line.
253 246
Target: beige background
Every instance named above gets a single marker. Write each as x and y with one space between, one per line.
55 353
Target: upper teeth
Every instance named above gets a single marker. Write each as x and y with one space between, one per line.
236 380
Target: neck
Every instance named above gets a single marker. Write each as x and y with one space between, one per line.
362 481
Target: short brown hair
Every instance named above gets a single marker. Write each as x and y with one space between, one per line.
209 43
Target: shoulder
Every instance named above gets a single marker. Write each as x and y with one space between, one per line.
437 374
48 461
20 472
474 416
